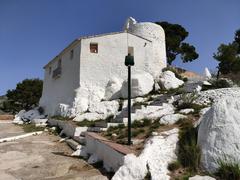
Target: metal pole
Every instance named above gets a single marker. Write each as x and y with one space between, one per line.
129 105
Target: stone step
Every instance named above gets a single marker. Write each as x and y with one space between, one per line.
103 124
96 129
80 139
73 144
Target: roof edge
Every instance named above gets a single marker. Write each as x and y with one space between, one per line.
88 37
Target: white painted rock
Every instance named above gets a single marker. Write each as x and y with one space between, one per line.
113 89
39 121
169 81
218 135
186 111
153 112
32 114
89 117
142 84
207 73
63 110
158 152
206 97
171 118
18 117
206 83
80 105
201 113
105 107
197 177
96 94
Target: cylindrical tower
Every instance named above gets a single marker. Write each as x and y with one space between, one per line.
154 33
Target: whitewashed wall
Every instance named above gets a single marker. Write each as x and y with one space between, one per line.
62 89
97 68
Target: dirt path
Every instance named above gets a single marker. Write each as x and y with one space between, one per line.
8 129
39 157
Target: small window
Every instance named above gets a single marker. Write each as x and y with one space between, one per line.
131 50
93 47
71 54
59 63
50 70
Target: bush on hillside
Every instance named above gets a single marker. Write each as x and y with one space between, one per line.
228 171
189 152
26 96
218 83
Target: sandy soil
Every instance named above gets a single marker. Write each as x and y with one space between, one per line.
40 157
7 129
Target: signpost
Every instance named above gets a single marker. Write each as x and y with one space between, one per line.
129 61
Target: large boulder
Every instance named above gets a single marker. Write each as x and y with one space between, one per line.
168 80
218 135
18 117
171 118
158 152
153 112
113 89
31 115
142 84
105 107
63 110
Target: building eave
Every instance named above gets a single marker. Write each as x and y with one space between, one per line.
89 37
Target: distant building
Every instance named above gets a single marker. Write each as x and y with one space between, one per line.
93 60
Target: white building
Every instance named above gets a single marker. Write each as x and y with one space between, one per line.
93 60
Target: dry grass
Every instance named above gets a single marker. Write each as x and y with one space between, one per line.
6 117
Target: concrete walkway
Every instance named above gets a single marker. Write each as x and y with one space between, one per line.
40 157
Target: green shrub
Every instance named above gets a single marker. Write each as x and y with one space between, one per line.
141 123
228 171
187 100
136 132
86 123
31 128
176 91
189 152
61 118
218 83
174 166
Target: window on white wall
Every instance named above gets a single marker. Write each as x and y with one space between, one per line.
58 71
93 47
131 50
50 70
71 54
59 63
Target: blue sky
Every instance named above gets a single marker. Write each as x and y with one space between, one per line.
32 32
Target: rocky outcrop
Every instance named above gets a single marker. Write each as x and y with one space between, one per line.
218 135
153 112
27 116
113 89
158 152
206 97
171 118
142 84
168 80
